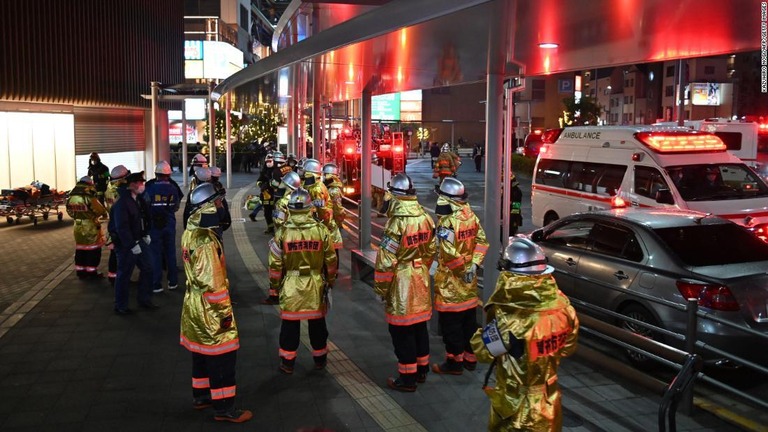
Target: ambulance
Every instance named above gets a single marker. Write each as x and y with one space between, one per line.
599 167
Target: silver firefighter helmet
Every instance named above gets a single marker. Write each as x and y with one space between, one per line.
292 181
453 189
300 200
313 166
524 256
119 172
330 168
279 157
203 174
401 185
163 167
202 194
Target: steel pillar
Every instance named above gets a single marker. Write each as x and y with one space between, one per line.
365 172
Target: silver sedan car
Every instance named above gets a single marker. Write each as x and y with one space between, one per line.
604 257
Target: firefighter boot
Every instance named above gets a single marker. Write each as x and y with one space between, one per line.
450 367
421 374
321 361
286 366
406 383
234 416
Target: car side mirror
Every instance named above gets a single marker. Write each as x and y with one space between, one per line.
537 235
664 196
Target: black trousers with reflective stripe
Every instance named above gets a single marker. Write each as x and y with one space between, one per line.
220 371
87 258
290 334
410 342
458 328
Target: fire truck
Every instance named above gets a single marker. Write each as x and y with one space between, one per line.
388 159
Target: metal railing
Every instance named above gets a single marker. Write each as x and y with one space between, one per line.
355 229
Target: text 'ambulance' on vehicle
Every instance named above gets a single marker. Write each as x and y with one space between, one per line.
598 167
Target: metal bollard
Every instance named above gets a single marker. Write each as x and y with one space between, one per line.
692 306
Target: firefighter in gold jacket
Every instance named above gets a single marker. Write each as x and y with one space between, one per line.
288 184
531 325
321 199
117 180
461 249
84 207
302 267
401 280
334 185
208 327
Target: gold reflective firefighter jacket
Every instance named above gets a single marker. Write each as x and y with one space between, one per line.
207 321
405 254
85 209
111 195
461 242
302 265
280 215
322 201
533 309
335 188
445 165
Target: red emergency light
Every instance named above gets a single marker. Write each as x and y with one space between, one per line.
349 149
398 149
680 142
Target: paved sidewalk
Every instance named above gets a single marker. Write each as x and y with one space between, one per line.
68 363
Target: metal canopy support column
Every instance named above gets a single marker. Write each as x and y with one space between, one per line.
494 126
184 171
228 113
365 172
317 109
211 126
155 94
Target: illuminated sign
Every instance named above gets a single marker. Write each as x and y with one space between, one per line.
211 60
385 107
193 50
197 109
706 94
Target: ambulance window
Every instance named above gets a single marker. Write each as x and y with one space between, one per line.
551 172
582 176
610 179
648 181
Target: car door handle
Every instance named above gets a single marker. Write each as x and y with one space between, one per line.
570 262
620 275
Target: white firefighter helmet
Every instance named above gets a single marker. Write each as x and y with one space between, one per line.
203 174
215 172
119 172
330 168
300 200
163 167
279 157
292 180
401 185
313 166
452 188
524 256
199 160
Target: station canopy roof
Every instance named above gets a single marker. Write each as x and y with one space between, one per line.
390 46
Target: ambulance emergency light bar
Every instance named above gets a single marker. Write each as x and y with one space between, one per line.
681 142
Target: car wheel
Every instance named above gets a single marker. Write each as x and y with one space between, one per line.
641 314
550 217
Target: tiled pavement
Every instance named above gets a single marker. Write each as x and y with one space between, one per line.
68 363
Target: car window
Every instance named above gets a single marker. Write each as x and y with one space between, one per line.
573 234
615 241
720 244
648 181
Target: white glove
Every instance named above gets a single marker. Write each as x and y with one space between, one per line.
147 240
471 273
136 249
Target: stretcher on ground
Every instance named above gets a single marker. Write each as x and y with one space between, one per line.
35 201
